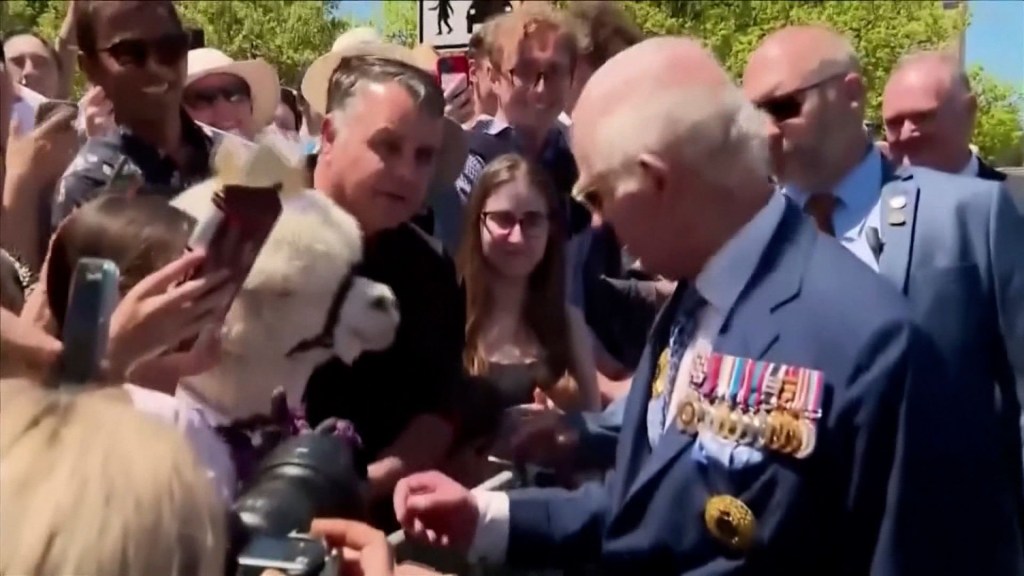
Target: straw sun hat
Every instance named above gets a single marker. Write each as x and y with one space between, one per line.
264 85
366 42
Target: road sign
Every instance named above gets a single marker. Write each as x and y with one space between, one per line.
448 24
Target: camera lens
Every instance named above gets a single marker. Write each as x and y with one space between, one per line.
306 477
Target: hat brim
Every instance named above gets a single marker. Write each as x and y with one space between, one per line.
264 86
315 83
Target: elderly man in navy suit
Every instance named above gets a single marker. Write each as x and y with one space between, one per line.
953 244
772 419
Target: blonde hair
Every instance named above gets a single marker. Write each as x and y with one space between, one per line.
508 30
604 29
89 486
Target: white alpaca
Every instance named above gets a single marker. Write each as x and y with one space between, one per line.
306 261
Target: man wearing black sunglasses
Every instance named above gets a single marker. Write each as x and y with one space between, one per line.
951 244
135 51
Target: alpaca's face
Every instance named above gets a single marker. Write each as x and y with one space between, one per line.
287 296
368 320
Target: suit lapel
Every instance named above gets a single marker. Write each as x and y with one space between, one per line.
898 214
987 172
750 330
634 448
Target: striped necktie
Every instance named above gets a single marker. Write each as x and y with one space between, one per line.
683 329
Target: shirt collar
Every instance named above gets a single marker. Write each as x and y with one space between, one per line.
859 186
495 127
727 272
971 169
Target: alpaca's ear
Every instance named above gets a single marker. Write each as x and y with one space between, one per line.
197 201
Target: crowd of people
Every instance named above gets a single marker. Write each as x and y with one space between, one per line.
736 332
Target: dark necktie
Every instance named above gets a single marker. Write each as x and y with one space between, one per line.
821 207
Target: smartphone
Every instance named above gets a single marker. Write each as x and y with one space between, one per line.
234 232
450 68
294 555
91 302
48 108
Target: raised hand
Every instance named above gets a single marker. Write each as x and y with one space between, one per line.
365 550
159 312
436 509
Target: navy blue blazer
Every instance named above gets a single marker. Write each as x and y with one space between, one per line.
844 510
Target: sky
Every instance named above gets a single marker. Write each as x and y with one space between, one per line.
995 38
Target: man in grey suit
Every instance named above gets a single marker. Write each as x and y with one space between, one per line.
954 245
929 113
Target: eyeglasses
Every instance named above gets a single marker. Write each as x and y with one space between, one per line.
531 76
503 222
204 97
168 50
788 106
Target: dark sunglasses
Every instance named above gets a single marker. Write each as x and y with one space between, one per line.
235 92
167 50
790 105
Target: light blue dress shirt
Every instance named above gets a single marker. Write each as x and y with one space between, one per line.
858 194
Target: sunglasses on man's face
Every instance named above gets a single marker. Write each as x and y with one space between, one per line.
788 106
168 50
204 97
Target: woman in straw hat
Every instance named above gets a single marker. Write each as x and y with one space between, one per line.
237 96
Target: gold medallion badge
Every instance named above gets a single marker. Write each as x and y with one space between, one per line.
730 521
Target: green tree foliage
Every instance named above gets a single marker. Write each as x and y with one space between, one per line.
398 21
733 28
999 132
287 34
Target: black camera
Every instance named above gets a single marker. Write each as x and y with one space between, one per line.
305 477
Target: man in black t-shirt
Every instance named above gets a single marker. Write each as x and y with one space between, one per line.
384 139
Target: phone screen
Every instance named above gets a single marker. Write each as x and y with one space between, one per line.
91 302
235 232
290 554
452 67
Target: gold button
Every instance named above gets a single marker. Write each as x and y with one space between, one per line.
730 521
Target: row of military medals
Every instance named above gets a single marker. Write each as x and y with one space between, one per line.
759 404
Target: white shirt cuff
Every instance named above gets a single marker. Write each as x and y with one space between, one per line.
490 542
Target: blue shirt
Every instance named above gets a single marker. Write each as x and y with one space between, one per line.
858 194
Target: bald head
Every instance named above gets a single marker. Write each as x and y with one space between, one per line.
929 110
795 57
667 142
649 66
807 80
665 95
935 72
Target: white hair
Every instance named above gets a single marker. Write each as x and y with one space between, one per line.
716 131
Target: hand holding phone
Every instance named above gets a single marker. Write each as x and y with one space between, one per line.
453 73
91 301
161 311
